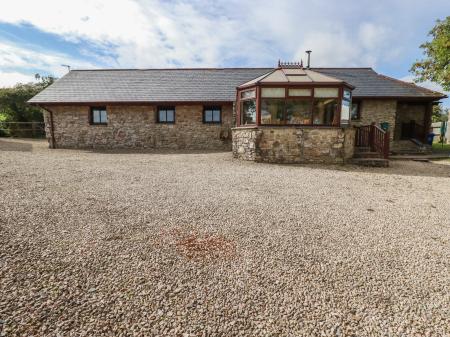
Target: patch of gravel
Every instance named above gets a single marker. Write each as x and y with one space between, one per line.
154 244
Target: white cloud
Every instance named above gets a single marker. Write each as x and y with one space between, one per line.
149 33
157 33
12 57
9 79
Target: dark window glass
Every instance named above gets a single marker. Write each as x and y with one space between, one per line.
272 111
99 115
324 111
166 115
248 112
298 111
212 115
355 111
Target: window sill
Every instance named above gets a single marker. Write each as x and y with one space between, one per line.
98 124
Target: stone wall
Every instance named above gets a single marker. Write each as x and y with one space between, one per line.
294 144
378 111
244 142
136 127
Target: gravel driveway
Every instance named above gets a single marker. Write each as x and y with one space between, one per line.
196 244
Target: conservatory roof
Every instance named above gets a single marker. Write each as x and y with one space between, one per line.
293 76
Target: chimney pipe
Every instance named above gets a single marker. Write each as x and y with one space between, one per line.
309 59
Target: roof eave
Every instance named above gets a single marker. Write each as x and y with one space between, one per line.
199 102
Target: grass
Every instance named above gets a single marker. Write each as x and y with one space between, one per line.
439 147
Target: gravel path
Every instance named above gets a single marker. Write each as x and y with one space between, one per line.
154 244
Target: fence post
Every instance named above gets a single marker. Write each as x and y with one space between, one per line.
372 136
386 145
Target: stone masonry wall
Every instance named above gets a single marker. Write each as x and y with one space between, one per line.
244 142
378 111
294 144
135 127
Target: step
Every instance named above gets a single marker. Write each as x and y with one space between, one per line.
366 155
372 162
410 146
359 149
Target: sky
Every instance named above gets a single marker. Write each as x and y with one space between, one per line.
40 36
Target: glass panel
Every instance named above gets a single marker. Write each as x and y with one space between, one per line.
162 115
355 112
208 115
272 111
345 112
96 116
216 116
248 112
248 94
273 92
103 116
299 92
324 111
298 111
347 94
326 92
170 115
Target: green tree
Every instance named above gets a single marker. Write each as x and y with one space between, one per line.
439 113
435 67
13 102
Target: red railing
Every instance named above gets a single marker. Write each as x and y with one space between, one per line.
375 138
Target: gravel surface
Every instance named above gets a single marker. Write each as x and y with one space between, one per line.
195 244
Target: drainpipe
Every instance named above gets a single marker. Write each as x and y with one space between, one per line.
52 127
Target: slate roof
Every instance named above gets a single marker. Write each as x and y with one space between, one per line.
201 85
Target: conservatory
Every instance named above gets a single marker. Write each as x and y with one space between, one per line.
293 114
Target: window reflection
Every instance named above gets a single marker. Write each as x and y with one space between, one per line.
272 111
324 111
248 112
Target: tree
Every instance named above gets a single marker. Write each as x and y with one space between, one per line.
435 67
13 101
439 114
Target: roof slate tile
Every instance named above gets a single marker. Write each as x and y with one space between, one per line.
200 85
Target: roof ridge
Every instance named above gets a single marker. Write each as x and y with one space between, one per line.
152 69
342 68
214 68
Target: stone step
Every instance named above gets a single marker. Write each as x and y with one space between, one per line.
366 155
360 149
410 146
372 162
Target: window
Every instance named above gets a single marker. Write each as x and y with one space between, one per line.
298 111
212 115
248 94
356 111
98 116
273 92
272 111
324 111
345 107
248 112
166 115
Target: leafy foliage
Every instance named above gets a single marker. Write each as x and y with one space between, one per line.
13 101
439 114
435 66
